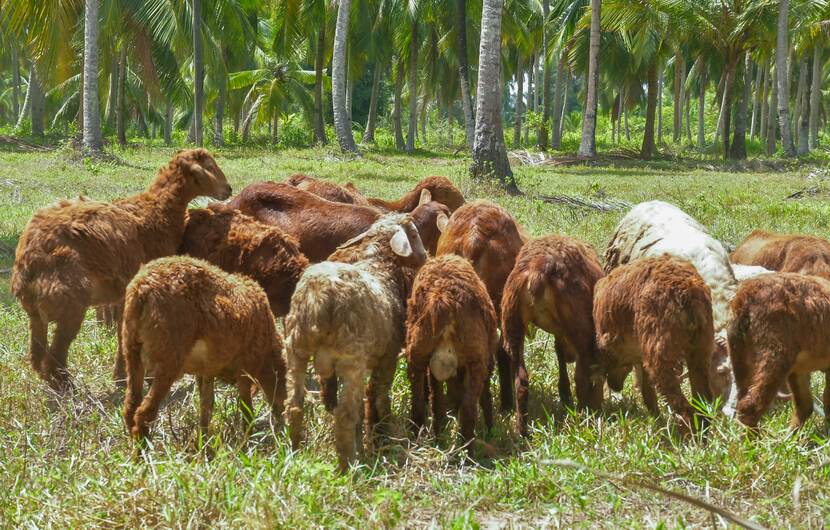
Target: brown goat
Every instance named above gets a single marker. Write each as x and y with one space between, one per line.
488 236
654 313
552 287
785 253
348 314
778 333
319 225
83 253
441 189
328 190
451 332
237 243
184 315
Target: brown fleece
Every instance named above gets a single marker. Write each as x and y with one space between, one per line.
779 333
185 316
785 253
77 254
441 188
237 243
552 287
451 334
348 314
319 225
328 190
654 313
488 236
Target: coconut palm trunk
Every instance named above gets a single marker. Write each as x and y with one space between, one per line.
319 65
738 149
783 77
815 95
371 120
772 122
542 139
660 83
756 104
804 109
15 83
342 125
400 143
113 91
219 115
647 149
92 112
121 98
198 72
464 71
489 152
413 87
34 104
168 122
588 145
556 141
529 95
701 110
520 77
678 96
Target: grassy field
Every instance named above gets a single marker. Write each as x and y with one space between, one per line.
69 463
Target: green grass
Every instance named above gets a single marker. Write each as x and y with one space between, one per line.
69 463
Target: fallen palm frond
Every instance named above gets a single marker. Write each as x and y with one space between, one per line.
572 201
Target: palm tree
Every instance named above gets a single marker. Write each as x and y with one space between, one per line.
489 151
342 124
92 115
588 145
464 71
198 70
782 51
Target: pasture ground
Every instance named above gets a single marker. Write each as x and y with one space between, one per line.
69 463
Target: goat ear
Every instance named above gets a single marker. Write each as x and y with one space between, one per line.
426 196
400 243
442 221
353 240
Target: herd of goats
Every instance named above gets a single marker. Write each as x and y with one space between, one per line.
455 285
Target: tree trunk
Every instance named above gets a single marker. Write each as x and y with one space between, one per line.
121 98
219 116
542 140
678 98
701 109
198 72
738 149
726 107
92 111
413 87
15 83
588 145
783 78
400 143
647 150
529 98
319 66
660 83
168 122
687 103
804 109
815 95
37 103
464 71
564 104
275 136
772 123
556 126
450 139
112 95
627 128
424 117
756 104
765 90
349 94
371 120
520 77
342 125
489 152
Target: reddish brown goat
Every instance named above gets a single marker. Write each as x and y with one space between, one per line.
441 189
184 315
785 253
451 333
319 225
238 243
778 333
328 190
488 236
654 313
552 287
82 253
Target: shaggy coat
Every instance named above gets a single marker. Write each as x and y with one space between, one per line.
237 243
552 287
77 254
348 315
451 333
655 228
441 189
785 253
488 236
655 313
185 316
319 225
328 190
779 333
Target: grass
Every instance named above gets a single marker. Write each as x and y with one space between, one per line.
69 463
